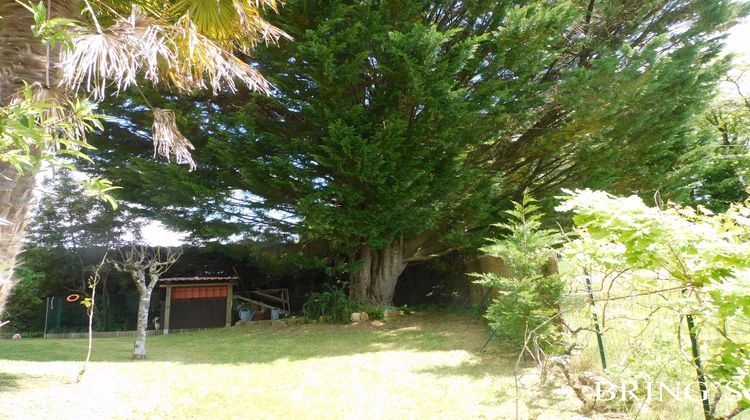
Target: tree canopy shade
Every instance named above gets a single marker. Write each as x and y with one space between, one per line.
398 128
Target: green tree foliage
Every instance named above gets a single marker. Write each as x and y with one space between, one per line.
25 307
723 179
696 261
70 231
529 295
715 173
70 217
397 128
52 56
28 139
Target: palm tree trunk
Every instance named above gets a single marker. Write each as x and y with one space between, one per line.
23 58
16 198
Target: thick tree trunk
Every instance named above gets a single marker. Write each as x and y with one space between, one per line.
24 59
375 279
139 349
16 198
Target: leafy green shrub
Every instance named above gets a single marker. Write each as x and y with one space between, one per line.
331 305
25 307
693 262
524 305
529 296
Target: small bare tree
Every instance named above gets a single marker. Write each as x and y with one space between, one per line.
90 303
145 265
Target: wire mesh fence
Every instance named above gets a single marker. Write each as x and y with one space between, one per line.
111 313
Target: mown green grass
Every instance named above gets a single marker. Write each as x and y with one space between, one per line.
422 366
418 366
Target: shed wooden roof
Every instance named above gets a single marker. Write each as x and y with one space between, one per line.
229 279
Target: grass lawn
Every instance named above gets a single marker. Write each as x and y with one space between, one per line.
424 365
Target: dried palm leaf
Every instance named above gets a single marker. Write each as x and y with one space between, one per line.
198 59
97 59
168 140
177 54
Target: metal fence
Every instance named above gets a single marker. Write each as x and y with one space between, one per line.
111 313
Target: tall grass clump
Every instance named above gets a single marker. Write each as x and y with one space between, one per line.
331 305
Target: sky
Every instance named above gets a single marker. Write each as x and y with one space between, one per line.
739 38
738 43
156 234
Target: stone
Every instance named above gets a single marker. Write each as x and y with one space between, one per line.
363 316
356 317
392 314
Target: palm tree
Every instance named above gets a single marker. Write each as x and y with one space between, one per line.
53 54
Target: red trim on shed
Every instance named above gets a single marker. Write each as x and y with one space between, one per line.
198 279
199 292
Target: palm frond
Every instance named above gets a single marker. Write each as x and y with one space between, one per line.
231 23
198 60
168 140
176 54
98 59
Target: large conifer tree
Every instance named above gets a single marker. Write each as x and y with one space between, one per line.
397 127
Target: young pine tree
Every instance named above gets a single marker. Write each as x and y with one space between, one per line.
529 295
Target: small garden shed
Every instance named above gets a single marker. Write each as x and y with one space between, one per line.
196 302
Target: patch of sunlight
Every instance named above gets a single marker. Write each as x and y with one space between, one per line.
406 368
413 328
383 384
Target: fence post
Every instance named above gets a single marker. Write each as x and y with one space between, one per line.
46 316
599 339
58 322
698 367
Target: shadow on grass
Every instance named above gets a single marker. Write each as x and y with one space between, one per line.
242 345
479 367
9 381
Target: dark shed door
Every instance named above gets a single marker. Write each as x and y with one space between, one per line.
198 313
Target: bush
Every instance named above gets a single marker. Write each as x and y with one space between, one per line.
523 305
529 296
331 305
25 307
